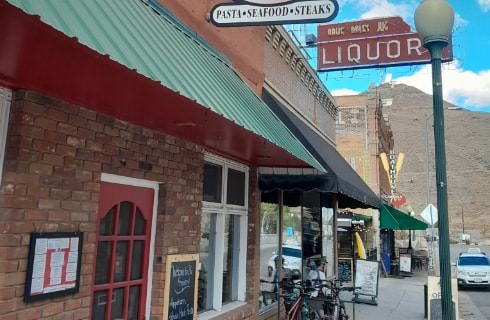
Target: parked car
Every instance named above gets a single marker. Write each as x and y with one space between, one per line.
473 270
291 255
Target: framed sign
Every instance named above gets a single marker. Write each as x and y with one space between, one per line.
345 269
367 276
53 265
180 299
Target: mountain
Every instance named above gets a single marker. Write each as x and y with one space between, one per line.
467 157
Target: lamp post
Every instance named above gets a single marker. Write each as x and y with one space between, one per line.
434 21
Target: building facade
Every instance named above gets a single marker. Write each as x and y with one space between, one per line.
363 133
132 155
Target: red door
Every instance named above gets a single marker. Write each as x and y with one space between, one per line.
123 244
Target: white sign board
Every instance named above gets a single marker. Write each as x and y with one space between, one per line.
430 214
367 275
405 262
253 13
434 297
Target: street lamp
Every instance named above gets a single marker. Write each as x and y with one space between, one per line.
434 21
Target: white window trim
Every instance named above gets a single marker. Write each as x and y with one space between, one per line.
5 100
226 164
134 182
220 209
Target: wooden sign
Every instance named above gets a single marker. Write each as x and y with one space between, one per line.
345 269
180 300
53 266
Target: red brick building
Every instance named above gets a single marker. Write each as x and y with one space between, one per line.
122 125
363 133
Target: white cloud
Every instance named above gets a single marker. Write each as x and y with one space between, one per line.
344 92
380 8
459 21
484 5
384 8
459 85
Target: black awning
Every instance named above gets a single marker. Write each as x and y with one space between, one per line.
351 190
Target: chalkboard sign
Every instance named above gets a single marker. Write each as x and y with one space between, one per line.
181 287
367 275
345 269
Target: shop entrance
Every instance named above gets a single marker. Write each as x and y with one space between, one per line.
122 256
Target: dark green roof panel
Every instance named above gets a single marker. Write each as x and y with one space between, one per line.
136 35
391 218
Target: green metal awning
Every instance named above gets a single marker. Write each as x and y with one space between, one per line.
391 218
139 36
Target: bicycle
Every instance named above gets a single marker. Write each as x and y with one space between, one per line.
295 304
297 300
333 308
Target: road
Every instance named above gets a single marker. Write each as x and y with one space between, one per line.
473 302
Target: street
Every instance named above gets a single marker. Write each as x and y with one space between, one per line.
473 302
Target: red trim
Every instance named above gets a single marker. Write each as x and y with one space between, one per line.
37 57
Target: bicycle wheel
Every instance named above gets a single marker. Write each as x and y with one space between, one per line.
343 315
331 311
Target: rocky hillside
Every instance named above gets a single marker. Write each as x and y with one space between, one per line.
467 152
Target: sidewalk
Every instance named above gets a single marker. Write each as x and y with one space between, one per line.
404 299
397 299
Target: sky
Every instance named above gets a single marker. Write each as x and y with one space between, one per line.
466 80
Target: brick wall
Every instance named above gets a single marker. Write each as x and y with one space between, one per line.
55 154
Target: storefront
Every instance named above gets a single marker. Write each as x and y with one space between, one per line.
302 206
393 219
131 133
144 158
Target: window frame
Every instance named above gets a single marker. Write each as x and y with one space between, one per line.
223 206
220 210
5 101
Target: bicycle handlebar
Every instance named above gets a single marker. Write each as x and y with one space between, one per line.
309 285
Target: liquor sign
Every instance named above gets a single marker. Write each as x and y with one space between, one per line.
53 267
270 12
372 43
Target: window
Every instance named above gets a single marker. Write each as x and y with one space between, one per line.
5 97
327 238
223 244
474 261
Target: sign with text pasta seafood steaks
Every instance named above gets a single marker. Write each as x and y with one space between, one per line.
273 12
375 43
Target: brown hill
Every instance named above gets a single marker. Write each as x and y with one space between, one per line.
467 153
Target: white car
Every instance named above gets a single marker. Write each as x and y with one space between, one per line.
473 270
292 259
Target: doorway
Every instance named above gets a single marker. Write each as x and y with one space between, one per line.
124 225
